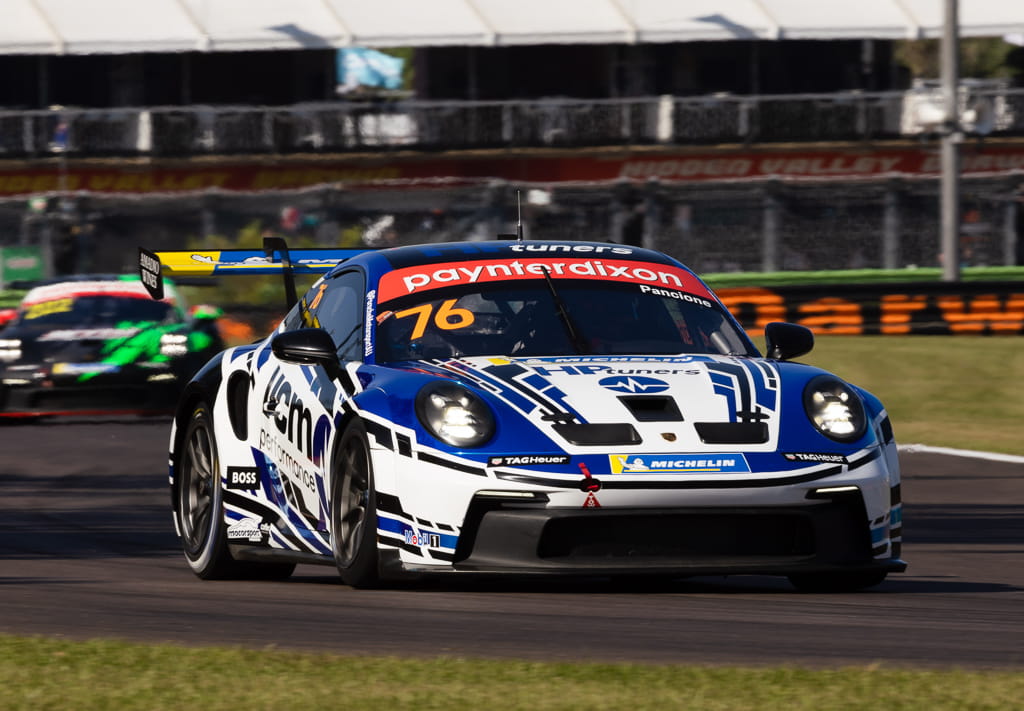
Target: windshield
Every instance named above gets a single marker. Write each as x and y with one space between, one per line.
522 318
103 311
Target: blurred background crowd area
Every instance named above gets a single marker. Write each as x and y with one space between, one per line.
712 228
738 150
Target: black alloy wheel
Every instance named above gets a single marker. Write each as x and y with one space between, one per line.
353 510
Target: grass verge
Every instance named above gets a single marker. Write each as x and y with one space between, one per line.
39 674
952 391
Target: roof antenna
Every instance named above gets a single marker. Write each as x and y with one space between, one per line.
519 224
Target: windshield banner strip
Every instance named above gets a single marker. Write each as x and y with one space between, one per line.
402 282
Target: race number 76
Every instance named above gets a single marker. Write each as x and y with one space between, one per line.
447 317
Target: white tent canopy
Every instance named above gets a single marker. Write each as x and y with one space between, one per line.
127 26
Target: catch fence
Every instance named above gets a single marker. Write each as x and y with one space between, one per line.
743 227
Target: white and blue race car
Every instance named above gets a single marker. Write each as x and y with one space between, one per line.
522 407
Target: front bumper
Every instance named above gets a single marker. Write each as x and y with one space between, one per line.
818 518
501 536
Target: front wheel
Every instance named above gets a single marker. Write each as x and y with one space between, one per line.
354 511
839 582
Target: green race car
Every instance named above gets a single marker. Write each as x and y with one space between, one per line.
95 344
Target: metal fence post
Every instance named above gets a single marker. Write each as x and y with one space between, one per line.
950 144
891 227
507 126
743 121
1010 236
665 132
27 134
770 231
862 118
268 130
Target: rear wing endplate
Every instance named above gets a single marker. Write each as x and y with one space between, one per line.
275 258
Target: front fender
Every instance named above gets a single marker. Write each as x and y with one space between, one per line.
203 387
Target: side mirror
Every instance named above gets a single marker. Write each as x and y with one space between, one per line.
307 346
784 341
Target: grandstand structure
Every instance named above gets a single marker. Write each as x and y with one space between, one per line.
736 135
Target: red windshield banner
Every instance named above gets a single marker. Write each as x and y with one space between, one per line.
408 280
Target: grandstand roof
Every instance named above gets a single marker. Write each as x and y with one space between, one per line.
117 26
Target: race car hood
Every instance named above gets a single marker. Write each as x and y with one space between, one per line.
697 403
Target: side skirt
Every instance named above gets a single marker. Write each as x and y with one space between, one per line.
260 554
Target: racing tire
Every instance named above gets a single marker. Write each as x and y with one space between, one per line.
200 509
354 510
851 581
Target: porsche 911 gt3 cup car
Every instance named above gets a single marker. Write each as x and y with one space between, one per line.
526 408
99 343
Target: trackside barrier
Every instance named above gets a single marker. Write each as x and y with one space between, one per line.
971 308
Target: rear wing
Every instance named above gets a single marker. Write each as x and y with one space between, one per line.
274 258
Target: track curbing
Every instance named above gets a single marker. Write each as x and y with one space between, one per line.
991 456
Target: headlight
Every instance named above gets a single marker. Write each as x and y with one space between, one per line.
834 408
173 345
10 349
454 415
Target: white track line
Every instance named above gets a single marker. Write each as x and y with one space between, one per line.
991 456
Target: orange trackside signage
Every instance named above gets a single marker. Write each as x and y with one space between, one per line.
408 280
978 308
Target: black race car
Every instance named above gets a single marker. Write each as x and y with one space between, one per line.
99 344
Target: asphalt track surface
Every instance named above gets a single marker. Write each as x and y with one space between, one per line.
87 549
